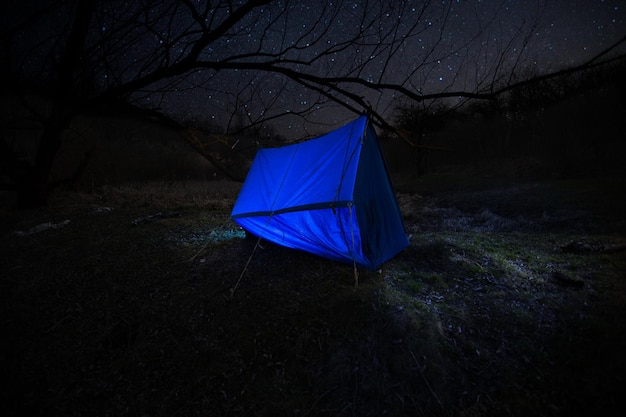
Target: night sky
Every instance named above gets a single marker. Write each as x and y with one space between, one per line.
561 33
450 46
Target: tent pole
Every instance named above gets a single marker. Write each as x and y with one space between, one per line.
356 271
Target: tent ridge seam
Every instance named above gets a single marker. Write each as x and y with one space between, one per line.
315 206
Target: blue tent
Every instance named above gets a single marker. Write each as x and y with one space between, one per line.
330 196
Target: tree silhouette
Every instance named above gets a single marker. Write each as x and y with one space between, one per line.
247 56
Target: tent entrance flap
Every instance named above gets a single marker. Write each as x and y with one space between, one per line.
330 196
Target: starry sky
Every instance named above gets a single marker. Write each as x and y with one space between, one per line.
446 46
463 41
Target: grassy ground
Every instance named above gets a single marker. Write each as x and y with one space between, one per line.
510 300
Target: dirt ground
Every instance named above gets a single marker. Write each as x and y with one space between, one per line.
136 301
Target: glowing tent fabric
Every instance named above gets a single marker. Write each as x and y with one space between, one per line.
330 196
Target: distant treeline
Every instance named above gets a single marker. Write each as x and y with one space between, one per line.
570 126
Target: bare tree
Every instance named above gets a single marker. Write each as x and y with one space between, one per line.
263 60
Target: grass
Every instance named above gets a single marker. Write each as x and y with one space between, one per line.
104 317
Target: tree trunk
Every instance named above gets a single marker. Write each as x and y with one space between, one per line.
33 189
